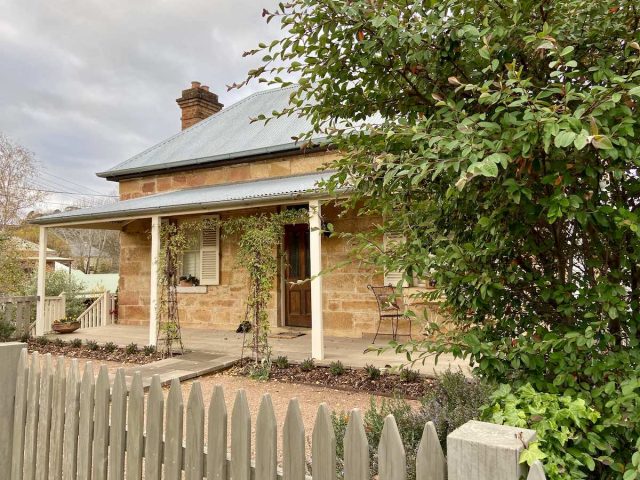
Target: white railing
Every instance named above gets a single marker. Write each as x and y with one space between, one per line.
99 313
68 424
19 312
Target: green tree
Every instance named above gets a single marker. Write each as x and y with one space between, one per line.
501 138
13 279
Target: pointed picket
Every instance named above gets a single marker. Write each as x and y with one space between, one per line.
323 446
20 416
266 441
392 461
101 426
241 438
430 461
173 435
293 443
85 423
71 421
117 426
194 444
153 445
31 424
135 428
217 436
57 420
536 471
356 449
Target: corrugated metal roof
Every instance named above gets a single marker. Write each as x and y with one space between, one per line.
213 197
226 135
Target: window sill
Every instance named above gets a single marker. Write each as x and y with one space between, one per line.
198 289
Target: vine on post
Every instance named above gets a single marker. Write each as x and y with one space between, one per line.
259 238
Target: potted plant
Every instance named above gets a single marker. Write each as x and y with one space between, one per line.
67 324
189 281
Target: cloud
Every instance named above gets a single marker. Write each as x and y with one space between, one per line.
86 84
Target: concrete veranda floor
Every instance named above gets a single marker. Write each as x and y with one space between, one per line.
348 350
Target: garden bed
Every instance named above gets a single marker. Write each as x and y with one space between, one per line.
408 384
94 351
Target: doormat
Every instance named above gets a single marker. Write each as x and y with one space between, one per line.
287 335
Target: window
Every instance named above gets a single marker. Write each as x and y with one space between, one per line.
392 278
201 258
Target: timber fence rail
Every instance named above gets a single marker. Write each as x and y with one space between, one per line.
19 312
78 426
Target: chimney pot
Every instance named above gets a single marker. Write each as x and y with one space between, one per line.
197 103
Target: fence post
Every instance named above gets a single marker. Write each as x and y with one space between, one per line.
485 451
9 357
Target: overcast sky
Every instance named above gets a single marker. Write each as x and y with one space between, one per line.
86 84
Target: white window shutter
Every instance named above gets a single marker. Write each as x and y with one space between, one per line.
210 254
392 278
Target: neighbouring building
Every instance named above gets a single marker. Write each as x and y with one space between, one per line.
222 164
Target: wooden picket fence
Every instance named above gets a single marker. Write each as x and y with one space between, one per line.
18 311
73 427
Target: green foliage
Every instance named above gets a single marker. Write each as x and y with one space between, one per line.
6 331
58 282
42 341
307 365
110 347
25 337
132 349
149 350
501 139
58 342
92 345
373 372
452 401
260 371
281 361
76 343
13 280
408 375
568 440
336 368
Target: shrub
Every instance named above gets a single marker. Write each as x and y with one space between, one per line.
281 361
307 365
92 345
260 371
409 376
42 341
149 350
131 349
58 342
110 347
76 343
566 427
6 331
61 282
373 372
454 400
337 368
25 337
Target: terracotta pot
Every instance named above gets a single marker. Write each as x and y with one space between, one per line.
186 283
65 327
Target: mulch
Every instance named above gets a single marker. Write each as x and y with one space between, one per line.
118 354
353 380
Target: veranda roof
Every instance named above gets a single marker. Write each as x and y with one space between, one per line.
217 197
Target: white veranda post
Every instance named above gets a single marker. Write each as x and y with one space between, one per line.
315 244
41 328
153 287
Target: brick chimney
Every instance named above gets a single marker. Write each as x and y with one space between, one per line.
197 103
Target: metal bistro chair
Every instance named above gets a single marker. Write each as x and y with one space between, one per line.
389 306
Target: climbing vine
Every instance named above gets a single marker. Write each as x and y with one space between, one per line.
259 238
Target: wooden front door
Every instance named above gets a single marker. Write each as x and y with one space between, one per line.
297 267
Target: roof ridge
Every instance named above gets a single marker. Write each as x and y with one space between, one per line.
194 127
